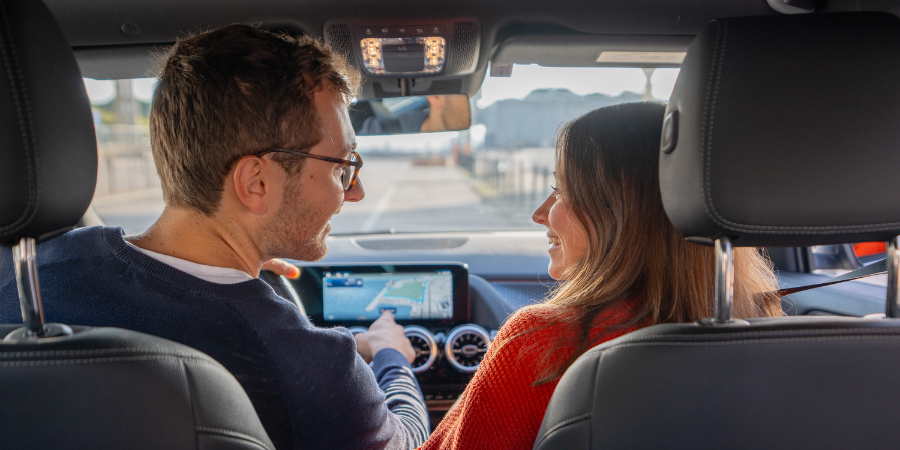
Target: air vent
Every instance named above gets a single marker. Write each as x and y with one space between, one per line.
338 38
411 244
466 346
438 87
425 346
523 293
465 47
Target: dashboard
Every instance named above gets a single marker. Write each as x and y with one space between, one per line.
492 275
450 291
430 300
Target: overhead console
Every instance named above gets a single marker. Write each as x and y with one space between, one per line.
408 57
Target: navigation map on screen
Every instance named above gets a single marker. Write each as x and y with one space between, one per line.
410 295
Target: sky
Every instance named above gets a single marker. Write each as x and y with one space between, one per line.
580 80
524 79
101 92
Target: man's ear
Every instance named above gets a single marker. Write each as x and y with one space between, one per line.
253 183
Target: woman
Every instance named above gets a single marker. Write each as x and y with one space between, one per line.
622 266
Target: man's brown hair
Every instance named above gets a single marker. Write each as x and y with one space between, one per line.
233 92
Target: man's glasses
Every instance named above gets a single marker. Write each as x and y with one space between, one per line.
349 171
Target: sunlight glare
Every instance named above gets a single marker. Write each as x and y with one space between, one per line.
100 92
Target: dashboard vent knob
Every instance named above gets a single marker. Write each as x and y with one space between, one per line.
466 347
425 346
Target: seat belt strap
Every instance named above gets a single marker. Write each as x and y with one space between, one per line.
876 268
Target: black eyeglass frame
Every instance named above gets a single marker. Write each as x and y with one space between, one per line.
344 162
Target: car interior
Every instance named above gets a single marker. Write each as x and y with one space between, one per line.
778 133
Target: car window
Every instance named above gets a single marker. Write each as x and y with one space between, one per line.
490 177
128 192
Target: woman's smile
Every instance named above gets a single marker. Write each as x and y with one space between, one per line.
555 242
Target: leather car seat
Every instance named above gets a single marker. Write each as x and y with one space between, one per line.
781 131
79 387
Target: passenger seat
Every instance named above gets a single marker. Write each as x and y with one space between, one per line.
781 131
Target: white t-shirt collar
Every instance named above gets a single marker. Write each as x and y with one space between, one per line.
213 274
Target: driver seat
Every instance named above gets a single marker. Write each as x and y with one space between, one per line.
69 386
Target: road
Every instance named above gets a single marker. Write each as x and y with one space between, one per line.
404 197
399 196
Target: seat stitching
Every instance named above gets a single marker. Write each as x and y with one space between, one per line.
188 387
773 332
27 354
752 341
75 361
564 423
769 229
712 92
706 134
69 352
704 122
14 71
230 433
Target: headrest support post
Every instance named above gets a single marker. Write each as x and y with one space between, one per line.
724 280
893 273
24 259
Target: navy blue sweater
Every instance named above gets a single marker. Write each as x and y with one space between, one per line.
309 386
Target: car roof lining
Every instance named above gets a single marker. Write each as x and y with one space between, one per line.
564 33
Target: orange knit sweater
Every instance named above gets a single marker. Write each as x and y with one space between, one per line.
500 409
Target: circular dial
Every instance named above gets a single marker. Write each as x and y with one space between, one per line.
424 345
466 347
356 330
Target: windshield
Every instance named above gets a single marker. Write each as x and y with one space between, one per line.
490 177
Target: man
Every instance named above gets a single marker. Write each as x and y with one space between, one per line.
254 148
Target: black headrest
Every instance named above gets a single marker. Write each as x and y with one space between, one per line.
785 130
48 150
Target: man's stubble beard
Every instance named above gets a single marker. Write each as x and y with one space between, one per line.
295 231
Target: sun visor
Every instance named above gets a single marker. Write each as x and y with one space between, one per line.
783 130
111 63
593 50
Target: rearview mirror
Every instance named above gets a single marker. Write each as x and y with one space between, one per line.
399 115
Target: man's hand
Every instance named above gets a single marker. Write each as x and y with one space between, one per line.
384 333
282 267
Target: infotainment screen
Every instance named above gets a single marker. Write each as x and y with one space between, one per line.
358 294
409 295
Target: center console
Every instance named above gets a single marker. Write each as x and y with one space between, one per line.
431 301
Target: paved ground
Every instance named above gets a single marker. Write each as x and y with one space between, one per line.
399 196
404 197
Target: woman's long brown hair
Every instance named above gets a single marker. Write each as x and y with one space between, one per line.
607 171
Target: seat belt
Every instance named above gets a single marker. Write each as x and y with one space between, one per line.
876 268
